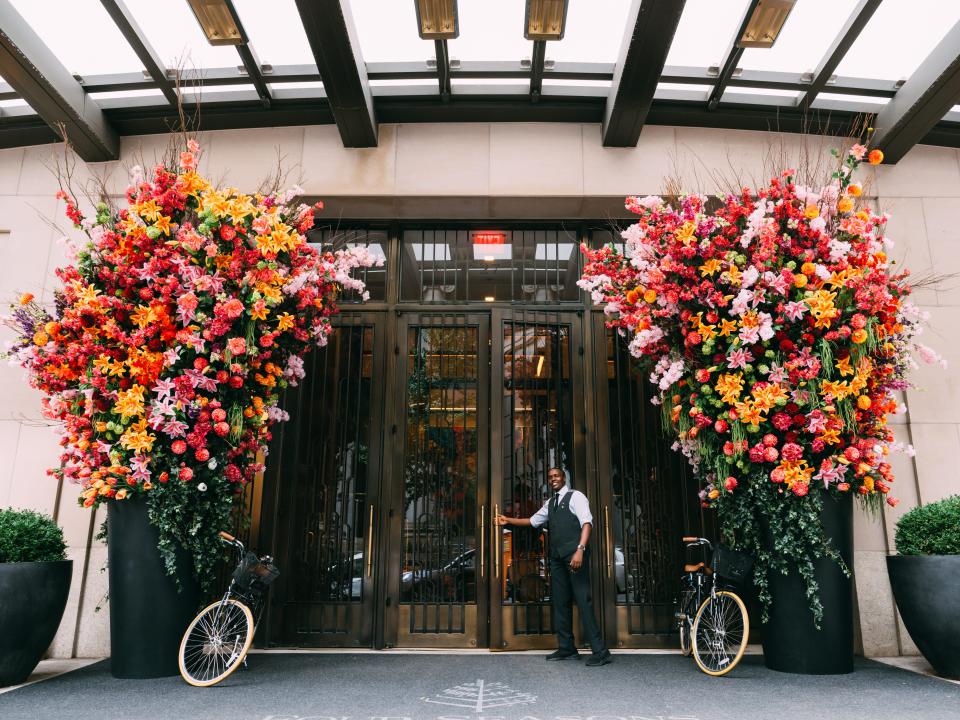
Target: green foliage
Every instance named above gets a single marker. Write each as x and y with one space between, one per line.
28 536
931 529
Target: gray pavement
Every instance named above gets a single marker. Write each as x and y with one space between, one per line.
302 686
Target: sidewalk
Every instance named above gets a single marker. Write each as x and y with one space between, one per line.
489 686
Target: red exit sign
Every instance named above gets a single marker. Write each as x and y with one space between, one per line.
488 237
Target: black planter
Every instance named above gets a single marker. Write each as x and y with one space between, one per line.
148 615
791 641
32 598
927 591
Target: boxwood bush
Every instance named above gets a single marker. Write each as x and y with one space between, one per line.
28 536
932 529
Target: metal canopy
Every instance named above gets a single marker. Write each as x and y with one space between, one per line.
676 63
35 73
336 51
643 53
929 93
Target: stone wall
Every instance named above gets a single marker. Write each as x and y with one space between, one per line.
539 161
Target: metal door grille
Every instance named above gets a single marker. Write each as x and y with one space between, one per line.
441 456
537 427
329 510
654 498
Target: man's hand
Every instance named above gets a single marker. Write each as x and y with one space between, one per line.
502 520
576 562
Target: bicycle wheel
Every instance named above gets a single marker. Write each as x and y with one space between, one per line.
215 643
720 633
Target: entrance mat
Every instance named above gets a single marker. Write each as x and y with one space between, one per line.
372 686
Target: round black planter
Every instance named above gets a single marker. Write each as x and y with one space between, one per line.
791 641
148 615
32 598
927 591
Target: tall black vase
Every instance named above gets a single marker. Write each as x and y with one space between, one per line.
791 641
148 615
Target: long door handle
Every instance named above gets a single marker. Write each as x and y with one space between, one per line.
610 550
483 540
370 544
496 543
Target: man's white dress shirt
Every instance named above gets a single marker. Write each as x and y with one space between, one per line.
579 506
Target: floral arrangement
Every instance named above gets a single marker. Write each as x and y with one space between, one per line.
176 327
777 332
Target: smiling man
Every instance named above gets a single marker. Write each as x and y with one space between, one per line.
566 515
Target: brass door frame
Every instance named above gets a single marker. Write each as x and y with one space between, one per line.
502 635
395 613
279 496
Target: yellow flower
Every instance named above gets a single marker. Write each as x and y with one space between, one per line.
845 205
649 296
734 275
149 210
259 311
729 386
285 322
710 267
685 232
143 316
727 327
163 224
811 211
844 366
130 402
139 441
800 280
40 338
863 402
859 336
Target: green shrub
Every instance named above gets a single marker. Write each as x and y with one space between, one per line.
932 529
28 536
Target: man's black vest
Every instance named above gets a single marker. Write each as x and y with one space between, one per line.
564 527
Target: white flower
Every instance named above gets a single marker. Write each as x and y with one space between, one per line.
212 464
202 487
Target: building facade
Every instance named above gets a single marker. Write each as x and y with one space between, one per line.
475 365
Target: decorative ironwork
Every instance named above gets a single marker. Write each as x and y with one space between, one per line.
537 434
441 455
325 519
655 501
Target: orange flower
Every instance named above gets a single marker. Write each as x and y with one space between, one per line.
854 189
800 280
632 297
875 157
650 295
811 211
863 402
121 493
859 336
26 298
808 268
845 205
40 338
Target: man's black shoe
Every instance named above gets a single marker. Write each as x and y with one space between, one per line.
598 659
563 655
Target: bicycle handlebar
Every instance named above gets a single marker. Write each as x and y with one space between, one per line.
227 536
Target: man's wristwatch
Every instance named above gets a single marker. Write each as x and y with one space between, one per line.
581 547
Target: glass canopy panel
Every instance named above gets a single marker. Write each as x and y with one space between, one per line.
804 40
493 30
173 31
275 31
81 35
387 31
705 31
898 38
593 33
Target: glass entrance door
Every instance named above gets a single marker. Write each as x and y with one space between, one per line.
537 410
441 447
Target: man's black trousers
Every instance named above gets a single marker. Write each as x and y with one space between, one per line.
566 587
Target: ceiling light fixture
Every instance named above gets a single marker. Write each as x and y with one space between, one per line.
545 19
437 19
766 22
219 21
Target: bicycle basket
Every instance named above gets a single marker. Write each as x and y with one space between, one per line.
731 565
252 574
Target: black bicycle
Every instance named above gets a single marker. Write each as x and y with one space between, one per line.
217 641
712 619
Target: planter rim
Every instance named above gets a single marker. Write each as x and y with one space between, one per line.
36 562
917 557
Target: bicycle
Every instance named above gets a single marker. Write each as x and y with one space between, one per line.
217 641
712 619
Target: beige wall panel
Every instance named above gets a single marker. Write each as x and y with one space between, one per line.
449 159
9 437
42 163
875 605
93 635
868 530
944 238
249 159
24 252
925 171
907 229
331 169
936 397
904 486
37 451
938 447
628 171
62 646
11 161
536 159
710 160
